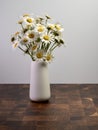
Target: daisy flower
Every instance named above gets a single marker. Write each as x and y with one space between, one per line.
25 40
27 21
34 47
59 28
48 57
15 44
40 28
23 17
15 36
32 35
47 37
51 26
39 54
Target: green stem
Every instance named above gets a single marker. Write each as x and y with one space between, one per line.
22 26
31 57
21 48
54 47
27 53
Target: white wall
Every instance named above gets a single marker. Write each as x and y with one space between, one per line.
78 63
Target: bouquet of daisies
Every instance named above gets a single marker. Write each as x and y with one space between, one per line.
38 37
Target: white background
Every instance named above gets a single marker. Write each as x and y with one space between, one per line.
76 63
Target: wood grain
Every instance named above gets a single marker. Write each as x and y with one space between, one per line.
71 107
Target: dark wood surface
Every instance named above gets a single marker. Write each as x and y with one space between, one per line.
71 107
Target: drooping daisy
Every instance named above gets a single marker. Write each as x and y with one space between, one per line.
12 39
15 44
59 41
47 38
15 37
58 27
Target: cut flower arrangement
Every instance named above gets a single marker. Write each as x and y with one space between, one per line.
38 37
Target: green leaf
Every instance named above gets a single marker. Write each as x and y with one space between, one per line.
38 39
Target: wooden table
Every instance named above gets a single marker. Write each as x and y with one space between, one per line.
71 107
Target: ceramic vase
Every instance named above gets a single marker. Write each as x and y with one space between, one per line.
39 82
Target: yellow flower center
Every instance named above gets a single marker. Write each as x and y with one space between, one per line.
25 40
31 35
29 20
48 57
46 37
34 47
39 55
40 29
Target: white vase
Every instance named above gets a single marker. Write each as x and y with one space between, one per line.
39 82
